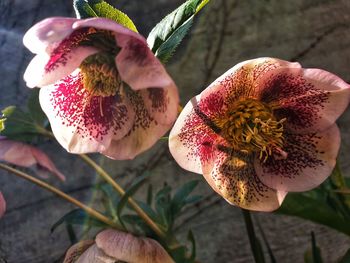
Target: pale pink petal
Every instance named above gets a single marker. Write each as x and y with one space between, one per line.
231 174
81 122
126 247
138 66
27 156
48 33
310 99
107 24
310 160
95 255
75 251
45 69
2 205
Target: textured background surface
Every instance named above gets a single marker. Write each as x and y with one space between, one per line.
314 32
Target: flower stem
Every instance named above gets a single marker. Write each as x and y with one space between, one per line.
88 210
254 243
121 191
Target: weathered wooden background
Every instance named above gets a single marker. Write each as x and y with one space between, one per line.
313 32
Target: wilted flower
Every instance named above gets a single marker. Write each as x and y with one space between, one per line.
103 89
114 246
264 128
28 156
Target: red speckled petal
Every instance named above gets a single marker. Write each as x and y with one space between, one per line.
310 99
194 132
310 160
128 248
2 205
151 122
83 123
233 177
25 155
48 33
46 69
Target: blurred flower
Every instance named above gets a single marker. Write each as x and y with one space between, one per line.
113 246
264 128
28 156
2 205
104 90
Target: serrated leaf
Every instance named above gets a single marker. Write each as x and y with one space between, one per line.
77 217
18 125
100 8
297 204
170 31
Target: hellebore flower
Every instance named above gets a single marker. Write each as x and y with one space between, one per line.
103 90
28 156
264 128
115 246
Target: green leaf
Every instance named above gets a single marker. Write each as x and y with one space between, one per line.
100 8
71 234
77 217
313 255
35 110
297 204
163 206
130 192
191 238
181 196
168 33
18 125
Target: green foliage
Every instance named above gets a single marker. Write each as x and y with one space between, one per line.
168 33
100 8
20 125
313 255
322 205
78 217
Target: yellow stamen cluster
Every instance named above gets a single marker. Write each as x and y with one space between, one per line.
100 75
251 127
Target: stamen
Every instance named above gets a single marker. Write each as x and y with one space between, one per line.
251 127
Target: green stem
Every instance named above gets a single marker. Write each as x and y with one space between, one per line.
121 191
92 212
254 245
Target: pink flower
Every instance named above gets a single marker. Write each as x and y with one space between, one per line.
103 89
264 128
28 156
113 246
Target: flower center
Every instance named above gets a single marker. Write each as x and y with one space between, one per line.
100 75
250 126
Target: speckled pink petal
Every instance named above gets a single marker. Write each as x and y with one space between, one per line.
310 160
232 176
194 132
145 131
95 255
45 69
75 251
2 205
310 99
48 33
128 248
25 155
81 122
